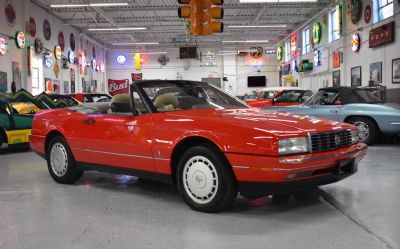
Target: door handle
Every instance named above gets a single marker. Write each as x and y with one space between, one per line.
335 111
89 121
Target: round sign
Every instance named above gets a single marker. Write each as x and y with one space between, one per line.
279 53
72 42
61 41
10 13
3 46
38 46
316 32
367 14
257 53
48 62
32 26
121 59
71 57
20 39
57 52
46 30
355 42
210 55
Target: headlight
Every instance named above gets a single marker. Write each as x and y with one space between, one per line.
354 136
293 145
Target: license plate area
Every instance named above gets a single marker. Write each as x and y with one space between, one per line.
346 167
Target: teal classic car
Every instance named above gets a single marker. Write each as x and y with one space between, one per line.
362 107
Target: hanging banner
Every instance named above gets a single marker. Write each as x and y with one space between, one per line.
118 86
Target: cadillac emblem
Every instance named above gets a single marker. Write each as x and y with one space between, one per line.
337 139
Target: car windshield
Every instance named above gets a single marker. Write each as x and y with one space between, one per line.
292 96
172 96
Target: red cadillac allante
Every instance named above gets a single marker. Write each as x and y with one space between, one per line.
208 143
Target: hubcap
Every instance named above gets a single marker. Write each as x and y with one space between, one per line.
59 159
200 179
363 130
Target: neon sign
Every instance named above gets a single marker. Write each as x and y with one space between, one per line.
355 42
20 39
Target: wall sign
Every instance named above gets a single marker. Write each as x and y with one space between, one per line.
279 53
71 57
61 40
10 14
3 46
57 52
381 35
355 42
118 86
293 45
316 32
32 26
46 30
336 59
367 14
38 46
56 69
257 52
72 41
48 62
317 58
121 59
20 39
354 8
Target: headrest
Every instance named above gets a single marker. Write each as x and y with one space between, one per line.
121 103
166 99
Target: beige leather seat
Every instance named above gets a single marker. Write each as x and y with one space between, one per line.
120 104
166 102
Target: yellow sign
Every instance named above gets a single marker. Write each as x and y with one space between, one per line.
137 61
288 79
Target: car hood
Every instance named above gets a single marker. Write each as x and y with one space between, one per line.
280 124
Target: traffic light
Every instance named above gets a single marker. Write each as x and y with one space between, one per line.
204 15
213 14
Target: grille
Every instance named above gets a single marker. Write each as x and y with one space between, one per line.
327 141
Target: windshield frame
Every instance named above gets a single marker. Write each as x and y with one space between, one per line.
138 87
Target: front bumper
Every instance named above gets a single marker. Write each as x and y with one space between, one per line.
272 175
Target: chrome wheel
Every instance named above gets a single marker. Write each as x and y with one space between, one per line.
363 130
200 179
59 159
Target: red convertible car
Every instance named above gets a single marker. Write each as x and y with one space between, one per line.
208 143
280 97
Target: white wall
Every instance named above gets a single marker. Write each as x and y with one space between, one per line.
25 10
231 66
385 53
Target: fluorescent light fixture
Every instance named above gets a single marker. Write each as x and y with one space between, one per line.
117 29
135 43
276 1
247 41
257 26
160 52
72 5
235 53
228 51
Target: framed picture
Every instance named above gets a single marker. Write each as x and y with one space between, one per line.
3 81
336 78
375 72
396 70
56 86
356 76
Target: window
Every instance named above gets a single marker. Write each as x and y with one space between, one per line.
287 51
382 9
37 76
334 25
306 41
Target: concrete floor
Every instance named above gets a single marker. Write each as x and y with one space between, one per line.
114 211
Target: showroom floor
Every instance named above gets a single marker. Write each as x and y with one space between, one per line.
109 211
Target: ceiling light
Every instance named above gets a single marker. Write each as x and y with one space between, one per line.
228 51
87 5
248 41
117 29
161 52
257 26
135 43
276 1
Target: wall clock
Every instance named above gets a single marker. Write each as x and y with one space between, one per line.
46 30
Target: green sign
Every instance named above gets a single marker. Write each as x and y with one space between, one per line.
316 32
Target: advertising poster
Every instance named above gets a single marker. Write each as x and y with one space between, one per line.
118 86
137 76
72 80
56 86
3 81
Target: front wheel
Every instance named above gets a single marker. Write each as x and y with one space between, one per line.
368 131
205 181
61 163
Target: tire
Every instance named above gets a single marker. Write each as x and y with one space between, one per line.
213 187
367 129
61 163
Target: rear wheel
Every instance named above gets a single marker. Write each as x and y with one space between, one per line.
61 163
368 131
205 181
